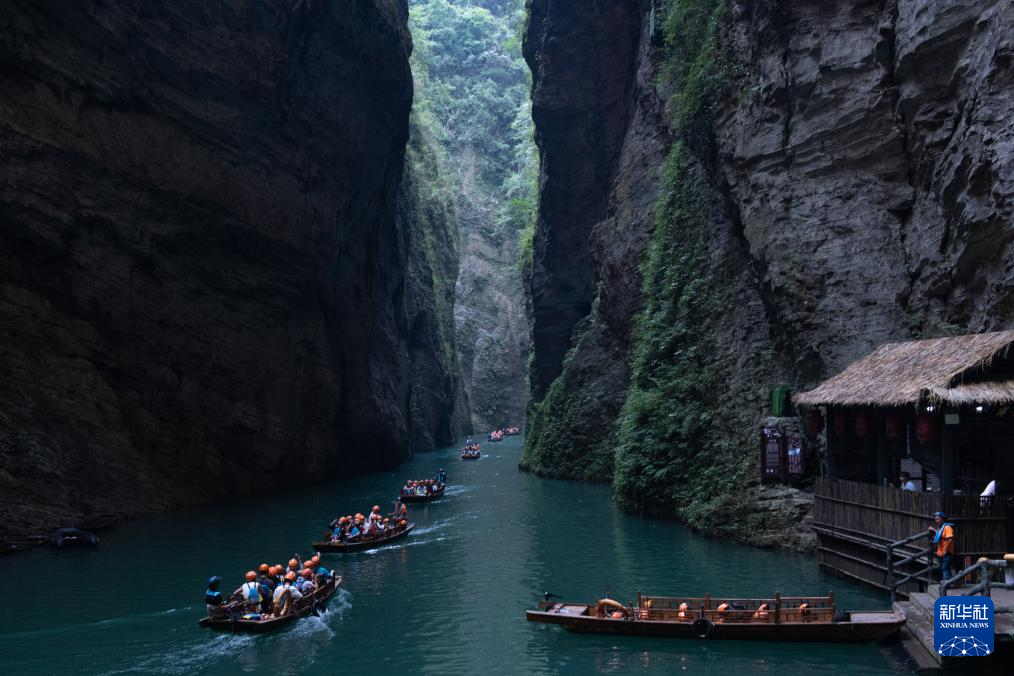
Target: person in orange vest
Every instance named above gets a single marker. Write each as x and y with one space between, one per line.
943 538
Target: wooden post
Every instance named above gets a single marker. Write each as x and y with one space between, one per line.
831 601
638 599
890 570
947 463
984 578
707 601
881 450
778 607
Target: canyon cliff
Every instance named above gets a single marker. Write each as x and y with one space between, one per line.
208 257
737 194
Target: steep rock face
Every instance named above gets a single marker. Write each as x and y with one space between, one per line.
202 279
602 132
583 63
438 405
871 170
491 324
859 176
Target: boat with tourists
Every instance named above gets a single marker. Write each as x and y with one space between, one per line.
363 543
779 618
233 619
470 454
435 494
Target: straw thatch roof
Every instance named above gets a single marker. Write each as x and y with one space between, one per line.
904 373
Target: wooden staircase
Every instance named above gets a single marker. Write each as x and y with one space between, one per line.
917 634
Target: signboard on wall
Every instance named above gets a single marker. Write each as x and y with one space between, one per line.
772 457
795 459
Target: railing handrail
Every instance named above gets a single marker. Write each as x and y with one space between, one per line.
985 567
892 583
910 538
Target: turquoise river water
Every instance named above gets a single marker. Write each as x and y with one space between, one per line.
449 599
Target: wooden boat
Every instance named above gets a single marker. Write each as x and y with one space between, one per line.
360 545
414 497
70 537
782 618
308 605
98 523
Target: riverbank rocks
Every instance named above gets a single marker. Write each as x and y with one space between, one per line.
862 170
202 277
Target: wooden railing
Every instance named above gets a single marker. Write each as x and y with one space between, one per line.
776 609
986 569
897 577
886 515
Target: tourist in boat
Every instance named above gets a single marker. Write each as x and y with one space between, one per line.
943 538
286 590
318 568
249 592
400 510
305 583
213 598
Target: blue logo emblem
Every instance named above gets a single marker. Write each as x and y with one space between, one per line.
963 626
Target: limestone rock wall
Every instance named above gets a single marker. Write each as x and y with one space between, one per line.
202 277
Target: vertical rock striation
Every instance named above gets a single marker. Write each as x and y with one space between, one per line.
859 169
203 279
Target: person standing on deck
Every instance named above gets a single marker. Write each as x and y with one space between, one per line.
906 483
943 538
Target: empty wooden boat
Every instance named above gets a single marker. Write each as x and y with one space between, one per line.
780 618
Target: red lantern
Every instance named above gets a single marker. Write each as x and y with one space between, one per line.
814 422
862 424
926 428
840 423
892 425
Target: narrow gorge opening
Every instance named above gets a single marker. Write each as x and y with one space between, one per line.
472 124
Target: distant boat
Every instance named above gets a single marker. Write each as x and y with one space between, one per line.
360 544
311 604
67 537
779 619
470 455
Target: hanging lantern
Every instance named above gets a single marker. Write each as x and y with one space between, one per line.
862 424
814 422
841 423
926 428
892 425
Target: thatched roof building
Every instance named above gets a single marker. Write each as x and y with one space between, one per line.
961 370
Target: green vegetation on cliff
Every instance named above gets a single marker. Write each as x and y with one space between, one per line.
571 431
681 439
